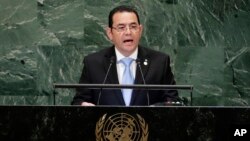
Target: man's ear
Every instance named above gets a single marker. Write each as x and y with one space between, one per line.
109 33
141 30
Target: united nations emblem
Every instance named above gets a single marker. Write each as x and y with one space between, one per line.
121 127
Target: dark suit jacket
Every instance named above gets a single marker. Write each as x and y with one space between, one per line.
157 71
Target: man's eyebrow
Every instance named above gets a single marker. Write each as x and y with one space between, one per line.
133 23
121 24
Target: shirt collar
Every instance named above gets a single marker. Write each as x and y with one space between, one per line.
119 56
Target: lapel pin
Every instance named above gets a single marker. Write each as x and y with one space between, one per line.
145 62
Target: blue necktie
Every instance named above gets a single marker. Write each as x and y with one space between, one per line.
127 79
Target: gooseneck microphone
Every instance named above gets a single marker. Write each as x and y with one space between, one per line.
112 60
138 61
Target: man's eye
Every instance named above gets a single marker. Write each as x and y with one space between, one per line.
121 27
133 26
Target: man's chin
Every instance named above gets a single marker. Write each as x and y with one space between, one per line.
129 46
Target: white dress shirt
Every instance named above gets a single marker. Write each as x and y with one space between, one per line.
120 66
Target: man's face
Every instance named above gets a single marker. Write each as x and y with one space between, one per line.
125 32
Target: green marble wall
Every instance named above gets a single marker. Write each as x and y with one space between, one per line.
43 42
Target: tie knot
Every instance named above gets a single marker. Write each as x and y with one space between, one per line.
127 61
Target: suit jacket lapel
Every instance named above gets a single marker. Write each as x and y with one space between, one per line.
113 76
145 63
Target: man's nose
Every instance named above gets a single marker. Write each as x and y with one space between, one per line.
128 30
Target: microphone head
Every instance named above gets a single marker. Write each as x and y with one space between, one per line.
138 61
112 59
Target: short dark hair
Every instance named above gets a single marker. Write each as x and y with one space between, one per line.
122 8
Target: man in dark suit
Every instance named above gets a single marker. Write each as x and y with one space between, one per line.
125 32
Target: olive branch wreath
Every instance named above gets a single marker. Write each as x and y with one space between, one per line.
98 128
144 128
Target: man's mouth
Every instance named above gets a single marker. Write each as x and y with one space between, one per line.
128 41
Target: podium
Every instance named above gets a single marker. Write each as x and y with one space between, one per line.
43 123
119 123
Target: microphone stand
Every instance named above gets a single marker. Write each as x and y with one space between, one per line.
112 60
138 61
